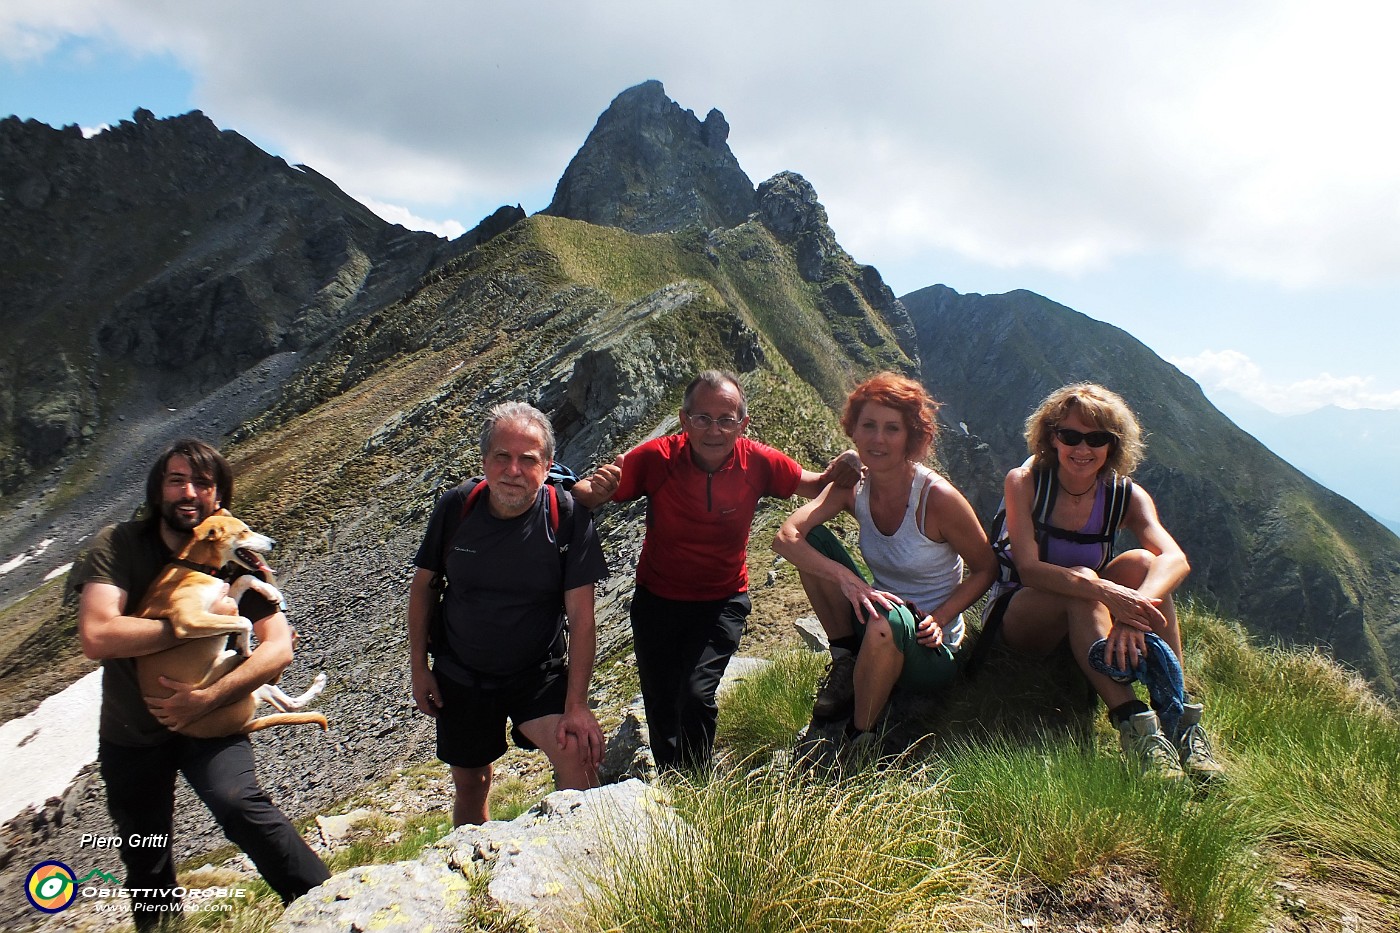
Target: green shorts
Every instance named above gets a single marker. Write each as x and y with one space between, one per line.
925 669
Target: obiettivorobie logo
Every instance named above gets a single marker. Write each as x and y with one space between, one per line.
52 886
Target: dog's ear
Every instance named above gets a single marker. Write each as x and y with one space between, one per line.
224 511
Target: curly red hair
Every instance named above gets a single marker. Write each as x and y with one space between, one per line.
904 395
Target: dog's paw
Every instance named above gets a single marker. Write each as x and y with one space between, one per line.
267 591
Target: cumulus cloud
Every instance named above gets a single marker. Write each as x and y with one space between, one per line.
397 214
1235 372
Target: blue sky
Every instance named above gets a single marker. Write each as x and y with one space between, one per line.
1220 180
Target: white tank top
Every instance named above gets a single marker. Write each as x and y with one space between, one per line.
907 563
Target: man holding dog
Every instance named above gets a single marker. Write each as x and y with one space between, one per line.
139 754
518 557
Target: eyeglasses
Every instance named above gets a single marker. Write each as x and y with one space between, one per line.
725 423
1072 438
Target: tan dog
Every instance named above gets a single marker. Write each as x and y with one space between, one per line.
183 594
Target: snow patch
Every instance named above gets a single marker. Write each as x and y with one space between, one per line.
46 749
22 559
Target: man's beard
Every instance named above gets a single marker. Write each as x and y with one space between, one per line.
177 520
512 500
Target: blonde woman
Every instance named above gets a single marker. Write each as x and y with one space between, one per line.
1084 442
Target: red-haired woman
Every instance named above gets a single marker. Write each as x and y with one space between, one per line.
917 535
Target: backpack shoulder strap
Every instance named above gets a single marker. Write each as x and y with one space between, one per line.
1042 506
470 490
1120 494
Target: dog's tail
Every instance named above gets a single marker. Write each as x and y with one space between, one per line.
286 719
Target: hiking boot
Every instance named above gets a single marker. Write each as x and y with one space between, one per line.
815 752
1193 747
1143 742
837 691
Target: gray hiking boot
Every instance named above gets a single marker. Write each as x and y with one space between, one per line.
1143 742
837 691
1193 747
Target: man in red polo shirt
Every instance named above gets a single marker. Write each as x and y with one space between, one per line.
691 600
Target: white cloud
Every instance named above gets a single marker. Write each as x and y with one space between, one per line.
1235 372
396 214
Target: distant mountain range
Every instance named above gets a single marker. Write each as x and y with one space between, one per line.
1352 451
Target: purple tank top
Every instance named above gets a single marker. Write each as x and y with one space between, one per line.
1064 553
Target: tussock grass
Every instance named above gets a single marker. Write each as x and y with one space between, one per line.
770 850
761 715
1045 796
1314 752
1058 809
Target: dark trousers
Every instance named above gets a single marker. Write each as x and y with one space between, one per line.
141 799
682 650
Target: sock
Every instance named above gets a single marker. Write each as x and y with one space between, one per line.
850 643
1120 714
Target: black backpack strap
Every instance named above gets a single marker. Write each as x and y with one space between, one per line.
1046 490
1120 494
1116 499
469 490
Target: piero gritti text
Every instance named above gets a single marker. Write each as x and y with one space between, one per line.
134 841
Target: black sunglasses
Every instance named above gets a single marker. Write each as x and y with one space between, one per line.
1072 438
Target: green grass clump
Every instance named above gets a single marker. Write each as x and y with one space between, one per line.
769 850
761 714
371 848
1058 809
1315 753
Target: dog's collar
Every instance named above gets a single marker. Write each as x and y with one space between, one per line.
202 568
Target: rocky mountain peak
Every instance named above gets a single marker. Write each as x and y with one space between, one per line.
174 251
649 166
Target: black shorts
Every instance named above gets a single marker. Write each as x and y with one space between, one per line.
471 725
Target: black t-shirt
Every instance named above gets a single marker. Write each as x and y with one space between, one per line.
506 581
130 556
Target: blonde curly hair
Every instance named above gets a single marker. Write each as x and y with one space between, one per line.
1100 407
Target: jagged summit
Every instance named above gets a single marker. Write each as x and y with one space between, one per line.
650 167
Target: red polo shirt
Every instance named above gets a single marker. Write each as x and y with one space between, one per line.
697 522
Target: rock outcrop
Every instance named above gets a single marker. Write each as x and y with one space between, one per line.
544 864
788 206
650 167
